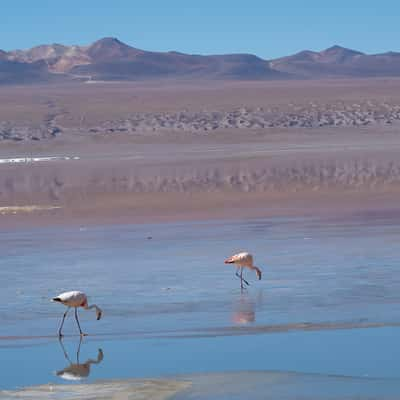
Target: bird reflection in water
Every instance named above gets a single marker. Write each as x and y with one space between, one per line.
244 310
77 371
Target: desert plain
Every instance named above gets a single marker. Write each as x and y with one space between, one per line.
158 151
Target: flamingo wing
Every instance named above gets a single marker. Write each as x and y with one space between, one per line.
74 298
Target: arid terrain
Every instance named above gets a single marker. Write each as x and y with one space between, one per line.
172 150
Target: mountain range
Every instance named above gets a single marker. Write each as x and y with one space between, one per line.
109 59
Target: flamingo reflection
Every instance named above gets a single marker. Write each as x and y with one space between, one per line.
245 311
77 371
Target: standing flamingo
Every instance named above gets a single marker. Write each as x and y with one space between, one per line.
243 260
75 299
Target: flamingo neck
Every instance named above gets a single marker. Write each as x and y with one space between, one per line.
258 270
99 312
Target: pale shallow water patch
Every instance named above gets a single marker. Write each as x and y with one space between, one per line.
26 209
221 386
155 389
28 160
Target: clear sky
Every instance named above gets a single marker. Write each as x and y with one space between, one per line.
263 27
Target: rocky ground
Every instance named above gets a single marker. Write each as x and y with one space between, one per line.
48 128
293 116
310 116
38 113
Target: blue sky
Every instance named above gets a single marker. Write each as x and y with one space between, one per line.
266 28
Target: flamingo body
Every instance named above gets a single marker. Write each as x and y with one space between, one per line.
74 298
242 259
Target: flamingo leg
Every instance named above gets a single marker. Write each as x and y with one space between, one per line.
77 321
62 323
240 276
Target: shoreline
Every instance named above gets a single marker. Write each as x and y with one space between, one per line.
159 208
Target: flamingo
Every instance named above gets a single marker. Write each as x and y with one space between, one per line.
243 260
75 299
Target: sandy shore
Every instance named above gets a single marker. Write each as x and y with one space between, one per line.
175 207
341 172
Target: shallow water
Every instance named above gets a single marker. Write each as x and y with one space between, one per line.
366 353
223 386
329 302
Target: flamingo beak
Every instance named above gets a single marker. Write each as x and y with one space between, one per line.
99 315
259 274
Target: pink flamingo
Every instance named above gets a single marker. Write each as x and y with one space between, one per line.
243 260
75 299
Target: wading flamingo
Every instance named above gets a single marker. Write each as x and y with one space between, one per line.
243 260
75 299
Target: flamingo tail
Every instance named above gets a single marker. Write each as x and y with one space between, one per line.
56 299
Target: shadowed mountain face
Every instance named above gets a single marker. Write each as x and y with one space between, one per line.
111 50
145 65
110 59
338 62
14 72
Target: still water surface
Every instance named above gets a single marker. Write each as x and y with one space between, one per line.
328 304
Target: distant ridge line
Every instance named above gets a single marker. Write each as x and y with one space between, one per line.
109 59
